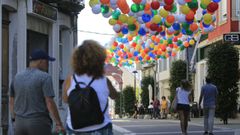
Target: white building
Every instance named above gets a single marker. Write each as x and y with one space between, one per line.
28 24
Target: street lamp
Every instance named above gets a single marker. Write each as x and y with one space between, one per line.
134 72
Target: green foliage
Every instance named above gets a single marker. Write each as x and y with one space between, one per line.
119 100
223 70
177 73
129 99
145 93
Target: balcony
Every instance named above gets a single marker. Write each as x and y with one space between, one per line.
67 6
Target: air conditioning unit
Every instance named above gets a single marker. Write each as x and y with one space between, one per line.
78 1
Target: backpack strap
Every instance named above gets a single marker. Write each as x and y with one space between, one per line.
105 107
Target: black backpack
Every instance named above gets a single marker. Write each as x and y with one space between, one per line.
84 106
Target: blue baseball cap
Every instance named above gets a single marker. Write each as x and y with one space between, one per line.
40 54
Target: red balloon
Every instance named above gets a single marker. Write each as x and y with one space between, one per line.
137 1
168 7
168 2
153 26
159 29
190 16
104 1
213 6
155 5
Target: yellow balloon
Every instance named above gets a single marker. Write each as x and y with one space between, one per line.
165 42
156 19
191 42
207 18
163 13
123 18
93 2
185 9
205 2
155 48
131 20
151 45
112 21
130 62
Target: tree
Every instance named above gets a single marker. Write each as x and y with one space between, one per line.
145 92
223 70
129 99
119 101
177 73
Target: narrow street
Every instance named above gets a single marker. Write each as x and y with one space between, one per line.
166 127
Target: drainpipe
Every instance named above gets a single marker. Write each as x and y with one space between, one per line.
1 66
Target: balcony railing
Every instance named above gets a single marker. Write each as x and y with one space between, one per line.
67 6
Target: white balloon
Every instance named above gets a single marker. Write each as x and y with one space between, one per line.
181 2
108 14
130 13
114 6
113 2
140 20
140 13
96 9
116 28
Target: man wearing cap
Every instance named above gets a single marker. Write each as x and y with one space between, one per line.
31 98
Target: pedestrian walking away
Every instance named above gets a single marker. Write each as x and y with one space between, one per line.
31 98
183 95
87 64
208 95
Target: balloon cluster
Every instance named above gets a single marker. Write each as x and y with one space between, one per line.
151 29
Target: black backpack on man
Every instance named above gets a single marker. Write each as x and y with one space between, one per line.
84 106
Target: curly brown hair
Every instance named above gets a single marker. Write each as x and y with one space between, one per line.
89 58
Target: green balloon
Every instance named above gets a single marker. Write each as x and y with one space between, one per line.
182 47
179 42
115 14
185 25
203 6
141 7
104 9
169 41
174 9
189 32
176 33
154 12
131 27
135 8
193 4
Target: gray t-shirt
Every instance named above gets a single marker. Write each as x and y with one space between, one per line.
29 88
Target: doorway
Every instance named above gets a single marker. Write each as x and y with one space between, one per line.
5 69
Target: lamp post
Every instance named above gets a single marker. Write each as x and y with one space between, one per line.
134 72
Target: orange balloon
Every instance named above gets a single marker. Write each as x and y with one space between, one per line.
170 19
130 38
104 1
137 1
147 6
193 27
123 6
148 24
186 44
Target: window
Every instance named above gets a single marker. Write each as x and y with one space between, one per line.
222 11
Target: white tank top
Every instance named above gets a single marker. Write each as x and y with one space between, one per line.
101 88
182 96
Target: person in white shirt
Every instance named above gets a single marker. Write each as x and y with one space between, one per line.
183 95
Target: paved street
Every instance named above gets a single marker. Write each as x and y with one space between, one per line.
170 127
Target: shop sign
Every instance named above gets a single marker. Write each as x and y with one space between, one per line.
44 10
232 38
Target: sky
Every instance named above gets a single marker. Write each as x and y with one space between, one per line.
88 21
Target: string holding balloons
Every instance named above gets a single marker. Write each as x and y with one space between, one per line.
150 30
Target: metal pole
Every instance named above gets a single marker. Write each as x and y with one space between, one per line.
155 77
121 101
194 52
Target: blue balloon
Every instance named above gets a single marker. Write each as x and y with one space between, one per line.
124 30
135 53
205 25
142 32
146 17
176 26
140 58
204 12
216 1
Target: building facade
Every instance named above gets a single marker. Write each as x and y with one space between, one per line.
29 24
228 21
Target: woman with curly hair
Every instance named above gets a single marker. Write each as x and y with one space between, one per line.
88 62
